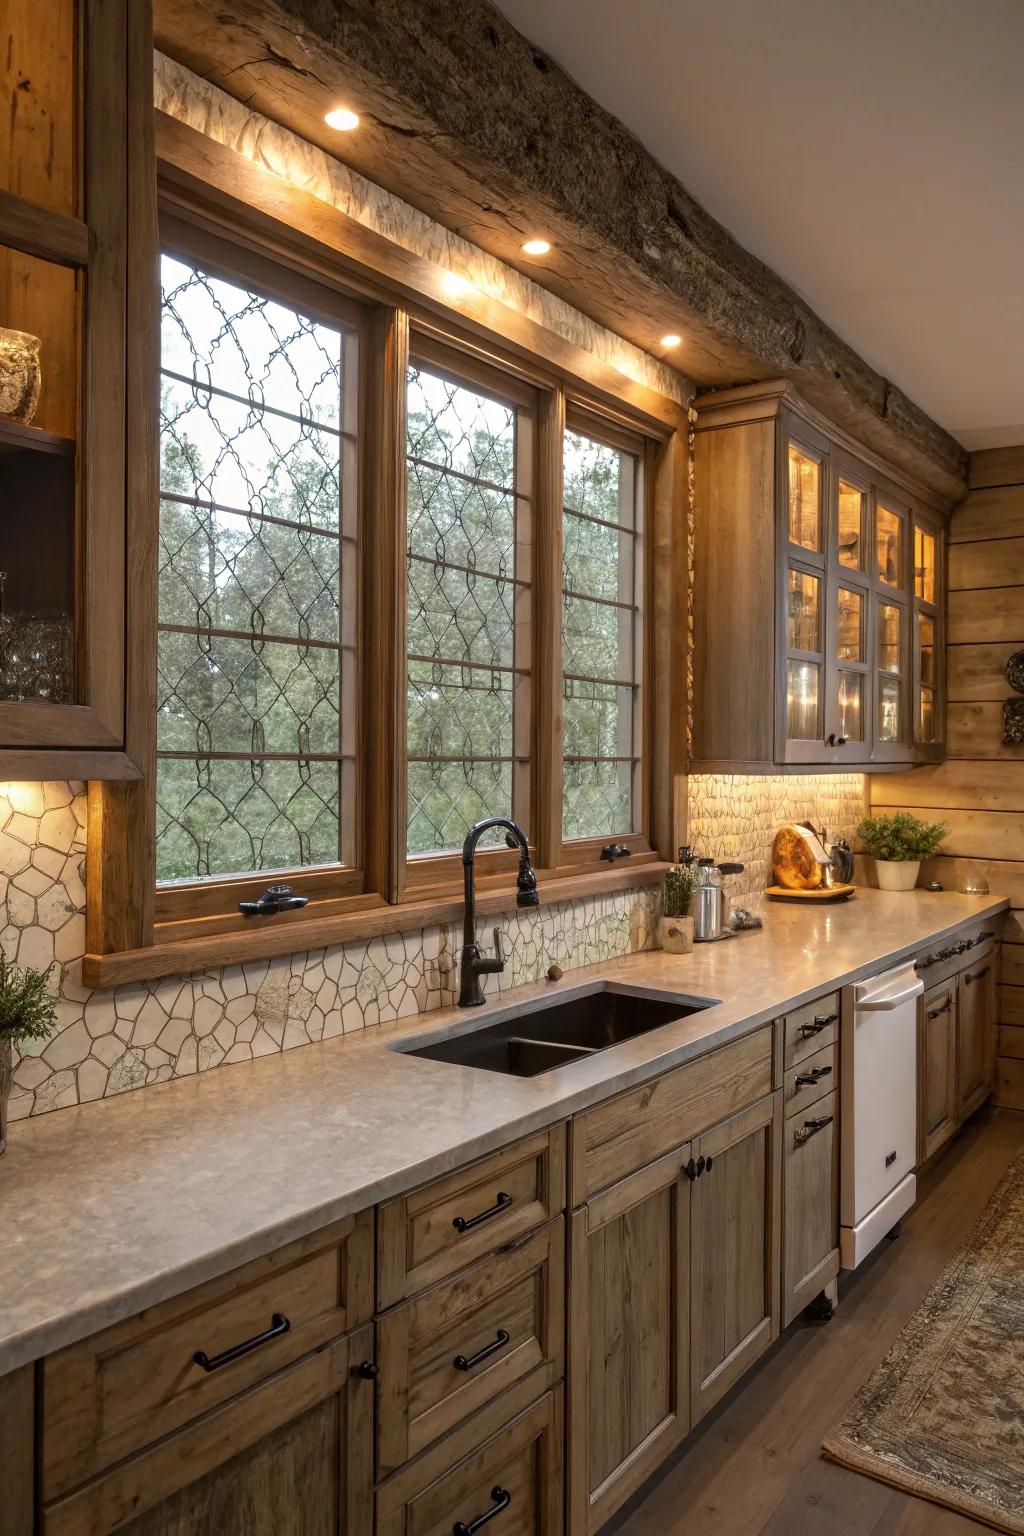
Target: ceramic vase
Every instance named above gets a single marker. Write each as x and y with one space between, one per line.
20 376
897 875
6 1076
677 935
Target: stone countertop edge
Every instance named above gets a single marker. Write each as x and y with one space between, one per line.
71 1263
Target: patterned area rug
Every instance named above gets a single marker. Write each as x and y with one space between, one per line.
942 1417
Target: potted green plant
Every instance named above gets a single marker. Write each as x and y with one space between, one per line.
897 844
676 923
27 1012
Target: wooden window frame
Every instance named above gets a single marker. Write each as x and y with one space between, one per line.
225 200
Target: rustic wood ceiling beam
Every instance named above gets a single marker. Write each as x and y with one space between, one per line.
468 121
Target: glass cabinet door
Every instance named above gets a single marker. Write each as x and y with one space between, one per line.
890 550
890 674
852 525
848 721
804 659
805 506
928 722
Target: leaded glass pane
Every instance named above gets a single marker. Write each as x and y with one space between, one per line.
467 612
600 647
254 624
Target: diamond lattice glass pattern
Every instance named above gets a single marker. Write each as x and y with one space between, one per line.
466 611
599 638
254 636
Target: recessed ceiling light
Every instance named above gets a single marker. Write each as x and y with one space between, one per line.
536 247
342 118
671 340
454 284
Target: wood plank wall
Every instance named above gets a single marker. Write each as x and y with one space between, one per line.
979 789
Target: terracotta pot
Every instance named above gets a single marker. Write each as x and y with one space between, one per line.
6 1075
677 935
897 876
20 375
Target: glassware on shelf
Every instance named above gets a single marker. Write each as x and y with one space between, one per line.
804 624
850 701
803 700
890 723
888 637
852 523
924 564
889 546
850 639
804 499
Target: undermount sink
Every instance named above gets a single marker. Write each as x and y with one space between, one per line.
537 1039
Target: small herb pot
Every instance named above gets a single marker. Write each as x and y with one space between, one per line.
677 935
897 875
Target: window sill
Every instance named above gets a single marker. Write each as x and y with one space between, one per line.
262 941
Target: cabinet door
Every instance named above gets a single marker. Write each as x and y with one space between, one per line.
937 1109
628 1332
810 1181
803 535
847 630
291 1457
735 1237
975 1035
890 623
928 640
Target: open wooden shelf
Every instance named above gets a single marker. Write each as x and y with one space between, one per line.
15 438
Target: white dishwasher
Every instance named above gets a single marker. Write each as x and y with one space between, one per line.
879 1108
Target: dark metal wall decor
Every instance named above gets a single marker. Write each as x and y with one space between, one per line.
1013 709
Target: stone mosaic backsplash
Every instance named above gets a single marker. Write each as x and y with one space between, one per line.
734 817
127 1037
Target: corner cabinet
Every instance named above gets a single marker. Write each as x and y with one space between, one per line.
818 596
76 215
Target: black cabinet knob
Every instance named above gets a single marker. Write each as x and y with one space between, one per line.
367 1370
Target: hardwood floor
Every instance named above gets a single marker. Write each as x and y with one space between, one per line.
753 1468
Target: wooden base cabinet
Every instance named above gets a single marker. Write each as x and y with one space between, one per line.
938 1113
976 1015
810 1182
735 1224
629 1336
674 1292
290 1457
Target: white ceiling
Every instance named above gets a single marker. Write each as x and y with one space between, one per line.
870 151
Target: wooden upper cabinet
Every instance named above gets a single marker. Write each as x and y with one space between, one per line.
76 81
818 596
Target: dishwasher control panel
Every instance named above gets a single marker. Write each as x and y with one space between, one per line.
952 950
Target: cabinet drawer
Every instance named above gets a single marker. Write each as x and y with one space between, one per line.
516 1473
438 1230
810 1028
449 1351
810 1172
810 1079
942 969
125 1388
293 1453
614 1139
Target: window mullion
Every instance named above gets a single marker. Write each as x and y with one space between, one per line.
547 739
383 727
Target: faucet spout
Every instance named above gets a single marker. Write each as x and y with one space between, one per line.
474 964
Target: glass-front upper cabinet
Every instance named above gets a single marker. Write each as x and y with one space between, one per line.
890 624
848 641
928 722
805 470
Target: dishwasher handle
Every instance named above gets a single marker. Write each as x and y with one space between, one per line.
885 1001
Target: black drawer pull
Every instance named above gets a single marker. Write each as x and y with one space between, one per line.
693 1170
970 976
820 1021
808 1079
811 1128
467 1223
467 1362
279 1324
935 1013
502 1499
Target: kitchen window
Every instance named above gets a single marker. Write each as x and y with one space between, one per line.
401 585
602 632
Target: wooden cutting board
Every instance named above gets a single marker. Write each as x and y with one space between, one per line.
823 894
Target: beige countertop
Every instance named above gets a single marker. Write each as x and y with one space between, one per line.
114 1206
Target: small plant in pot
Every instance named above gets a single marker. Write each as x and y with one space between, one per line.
676 922
897 844
27 1012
